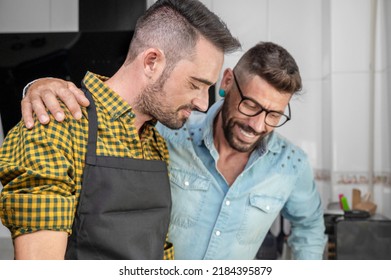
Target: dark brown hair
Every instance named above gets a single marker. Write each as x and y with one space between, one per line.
272 63
174 26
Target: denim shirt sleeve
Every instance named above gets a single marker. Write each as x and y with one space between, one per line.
305 213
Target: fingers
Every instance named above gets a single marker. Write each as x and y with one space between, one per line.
68 95
38 104
27 113
43 95
79 94
74 103
34 103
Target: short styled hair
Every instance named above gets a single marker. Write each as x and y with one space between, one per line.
175 26
272 63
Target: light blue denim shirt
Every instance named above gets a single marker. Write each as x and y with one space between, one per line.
211 220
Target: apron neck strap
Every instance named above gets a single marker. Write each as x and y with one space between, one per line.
92 128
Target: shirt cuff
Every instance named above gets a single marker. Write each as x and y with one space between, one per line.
23 213
168 251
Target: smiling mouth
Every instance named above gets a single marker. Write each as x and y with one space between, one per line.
247 134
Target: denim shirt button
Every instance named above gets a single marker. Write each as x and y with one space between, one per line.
187 183
267 207
218 233
227 202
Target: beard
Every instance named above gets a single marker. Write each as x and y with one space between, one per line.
228 123
153 101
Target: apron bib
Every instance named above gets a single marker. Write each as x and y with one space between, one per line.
124 206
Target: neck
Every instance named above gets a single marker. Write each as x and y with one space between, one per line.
129 89
231 162
221 143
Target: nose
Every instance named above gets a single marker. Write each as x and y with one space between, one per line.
201 102
258 122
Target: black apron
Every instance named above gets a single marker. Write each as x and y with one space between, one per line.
124 206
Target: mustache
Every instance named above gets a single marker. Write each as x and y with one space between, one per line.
188 107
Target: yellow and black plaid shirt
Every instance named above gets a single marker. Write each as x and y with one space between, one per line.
41 169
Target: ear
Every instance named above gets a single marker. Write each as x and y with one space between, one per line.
227 80
154 62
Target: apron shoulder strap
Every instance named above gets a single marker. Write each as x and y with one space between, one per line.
92 128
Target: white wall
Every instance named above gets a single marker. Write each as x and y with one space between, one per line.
361 132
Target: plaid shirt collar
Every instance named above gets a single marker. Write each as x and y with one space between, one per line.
115 105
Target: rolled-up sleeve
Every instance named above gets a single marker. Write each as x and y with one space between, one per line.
37 170
23 213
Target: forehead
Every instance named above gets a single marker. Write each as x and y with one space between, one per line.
206 62
263 92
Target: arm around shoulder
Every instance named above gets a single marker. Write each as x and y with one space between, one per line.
41 95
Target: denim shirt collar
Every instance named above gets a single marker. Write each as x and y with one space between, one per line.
270 143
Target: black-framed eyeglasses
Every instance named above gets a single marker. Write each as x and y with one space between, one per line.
251 108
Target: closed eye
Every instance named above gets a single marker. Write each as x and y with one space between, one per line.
274 115
193 86
250 104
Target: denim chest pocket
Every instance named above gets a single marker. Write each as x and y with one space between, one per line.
260 212
188 197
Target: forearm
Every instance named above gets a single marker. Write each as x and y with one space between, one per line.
308 242
41 245
307 239
305 212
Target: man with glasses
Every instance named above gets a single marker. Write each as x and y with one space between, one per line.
232 175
